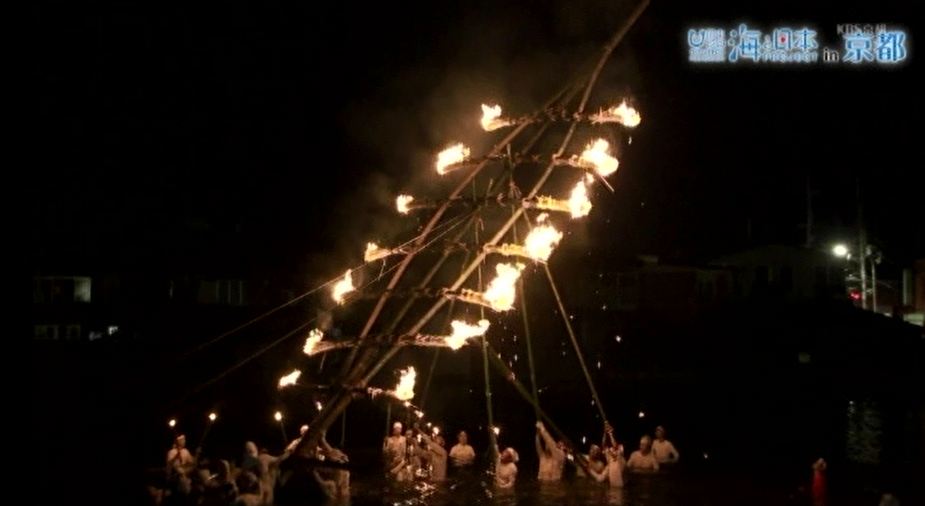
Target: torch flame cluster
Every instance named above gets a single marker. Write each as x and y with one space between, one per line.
342 288
374 252
311 344
596 157
538 245
542 239
623 114
491 118
451 156
500 293
404 391
463 331
401 203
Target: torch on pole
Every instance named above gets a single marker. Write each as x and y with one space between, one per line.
205 434
282 429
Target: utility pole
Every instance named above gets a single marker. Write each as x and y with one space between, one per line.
862 243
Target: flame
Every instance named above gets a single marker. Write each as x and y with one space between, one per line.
596 156
374 252
623 114
405 389
311 344
451 155
541 241
343 287
491 118
578 203
462 331
402 203
289 379
500 293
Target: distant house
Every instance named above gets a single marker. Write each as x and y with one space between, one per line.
786 273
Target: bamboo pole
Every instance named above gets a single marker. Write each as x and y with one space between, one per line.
332 409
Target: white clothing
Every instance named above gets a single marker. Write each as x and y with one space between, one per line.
664 451
641 462
462 455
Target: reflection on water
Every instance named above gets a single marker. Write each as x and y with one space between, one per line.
649 490
864 442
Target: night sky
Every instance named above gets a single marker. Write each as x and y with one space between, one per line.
299 126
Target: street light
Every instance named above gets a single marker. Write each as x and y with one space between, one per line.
840 250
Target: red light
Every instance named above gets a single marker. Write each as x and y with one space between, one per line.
856 295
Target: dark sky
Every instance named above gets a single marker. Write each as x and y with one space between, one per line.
302 124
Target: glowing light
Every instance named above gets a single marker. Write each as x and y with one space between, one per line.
541 241
597 157
419 414
172 423
402 202
405 389
500 293
311 343
212 416
462 332
278 416
289 379
496 430
623 114
342 288
584 439
642 415
436 431
374 252
451 155
579 205
840 250
491 118
319 406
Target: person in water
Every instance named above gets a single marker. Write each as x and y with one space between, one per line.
665 452
643 460
506 469
394 450
462 455
551 453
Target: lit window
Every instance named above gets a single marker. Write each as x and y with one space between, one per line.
112 329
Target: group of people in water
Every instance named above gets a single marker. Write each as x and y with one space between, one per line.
414 454
192 480
409 455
